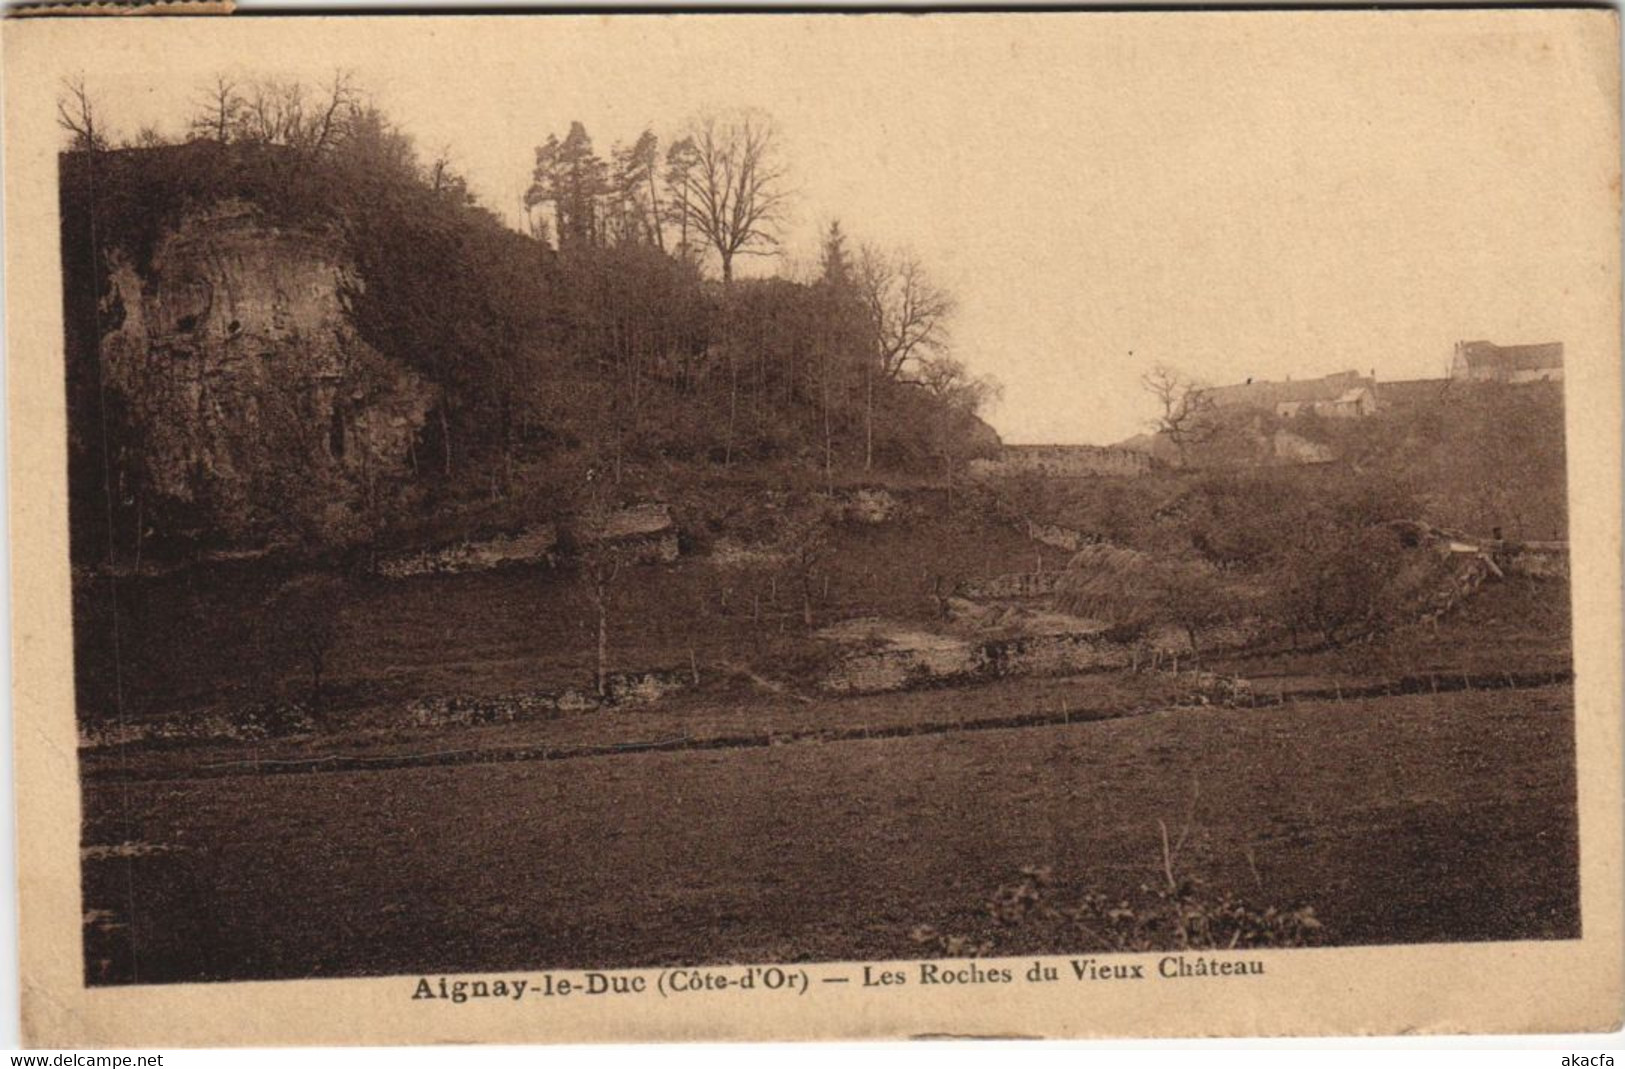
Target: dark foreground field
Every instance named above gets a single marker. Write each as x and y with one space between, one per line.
1398 820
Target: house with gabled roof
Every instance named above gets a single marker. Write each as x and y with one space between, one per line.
1483 361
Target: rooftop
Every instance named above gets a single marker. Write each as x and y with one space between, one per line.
1343 386
1512 357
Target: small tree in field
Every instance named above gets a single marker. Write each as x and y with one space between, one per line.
598 566
305 623
809 545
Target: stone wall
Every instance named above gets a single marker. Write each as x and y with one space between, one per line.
1053 534
882 671
1062 461
1015 585
246 722
953 662
643 534
639 534
253 721
1540 560
533 545
624 688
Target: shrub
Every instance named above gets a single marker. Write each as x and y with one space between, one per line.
1131 591
1188 918
1340 581
1182 913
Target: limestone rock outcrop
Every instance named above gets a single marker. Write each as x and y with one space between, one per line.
252 399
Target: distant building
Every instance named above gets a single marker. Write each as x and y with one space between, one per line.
1483 361
1347 394
1063 461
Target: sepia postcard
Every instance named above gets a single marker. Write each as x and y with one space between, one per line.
540 528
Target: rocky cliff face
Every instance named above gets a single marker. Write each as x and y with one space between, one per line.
246 391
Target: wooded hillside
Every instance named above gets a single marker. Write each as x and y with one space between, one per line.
614 338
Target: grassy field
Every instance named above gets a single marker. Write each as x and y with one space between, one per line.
1399 820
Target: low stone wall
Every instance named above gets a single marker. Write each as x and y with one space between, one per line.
662 548
642 534
533 545
881 671
245 723
638 534
625 688
1063 461
869 506
1015 585
1541 560
1053 534
266 720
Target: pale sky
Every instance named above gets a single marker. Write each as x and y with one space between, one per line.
1236 194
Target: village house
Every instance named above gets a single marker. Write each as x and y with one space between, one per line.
1483 361
1345 395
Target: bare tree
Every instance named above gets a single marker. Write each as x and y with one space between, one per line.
284 112
949 381
599 568
76 113
305 615
908 311
908 321
148 136
1188 413
442 177
961 394
219 110
270 110
808 542
327 124
733 189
